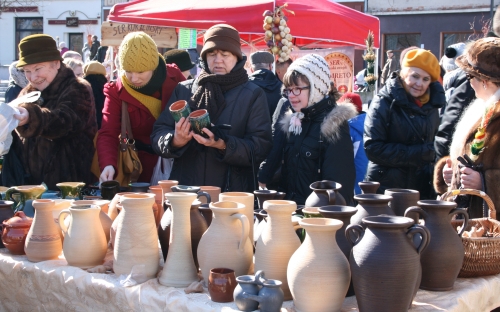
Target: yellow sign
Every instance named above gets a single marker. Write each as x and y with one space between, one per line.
112 34
341 69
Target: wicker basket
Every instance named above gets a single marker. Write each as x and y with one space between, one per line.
482 254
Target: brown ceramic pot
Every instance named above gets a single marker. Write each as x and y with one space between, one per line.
371 205
368 187
221 284
325 193
15 231
6 213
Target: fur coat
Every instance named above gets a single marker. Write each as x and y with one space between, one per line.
461 141
57 143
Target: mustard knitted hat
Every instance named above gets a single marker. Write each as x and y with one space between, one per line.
424 60
138 53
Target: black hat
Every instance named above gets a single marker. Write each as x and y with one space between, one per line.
180 58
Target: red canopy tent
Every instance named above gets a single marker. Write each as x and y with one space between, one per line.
316 24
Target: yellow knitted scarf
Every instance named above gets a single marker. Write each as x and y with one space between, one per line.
151 103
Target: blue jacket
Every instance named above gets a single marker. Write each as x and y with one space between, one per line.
356 125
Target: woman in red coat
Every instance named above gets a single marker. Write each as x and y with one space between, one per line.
145 84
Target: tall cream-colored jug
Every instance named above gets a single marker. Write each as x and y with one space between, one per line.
85 243
225 244
246 199
277 242
136 238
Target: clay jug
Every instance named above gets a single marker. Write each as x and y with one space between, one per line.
380 283
319 269
179 269
27 193
225 244
158 205
71 190
325 193
60 205
14 232
442 259
368 187
277 242
270 297
371 205
403 199
6 213
246 199
84 244
43 241
103 218
136 242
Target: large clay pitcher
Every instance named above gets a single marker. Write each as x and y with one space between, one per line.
371 205
246 199
402 199
325 193
318 269
179 269
226 244
277 242
442 260
6 213
43 241
136 241
385 265
85 243
103 217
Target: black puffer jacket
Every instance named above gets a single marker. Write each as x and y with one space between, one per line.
270 84
323 150
194 164
401 156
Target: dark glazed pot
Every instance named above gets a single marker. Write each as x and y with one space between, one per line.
385 265
442 260
403 199
325 193
371 205
109 189
6 213
368 187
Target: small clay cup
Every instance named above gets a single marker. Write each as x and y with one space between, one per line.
221 284
179 109
199 119
109 189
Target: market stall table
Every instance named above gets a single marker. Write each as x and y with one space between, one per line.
55 286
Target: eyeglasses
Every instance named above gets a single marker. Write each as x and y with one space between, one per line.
469 77
295 90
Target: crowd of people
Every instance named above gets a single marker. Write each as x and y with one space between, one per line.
431 127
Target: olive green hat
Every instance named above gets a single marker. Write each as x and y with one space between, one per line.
38 48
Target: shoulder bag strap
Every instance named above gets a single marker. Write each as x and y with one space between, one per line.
126 136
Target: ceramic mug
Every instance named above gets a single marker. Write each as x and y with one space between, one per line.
199 119
221 284
109 189
179 109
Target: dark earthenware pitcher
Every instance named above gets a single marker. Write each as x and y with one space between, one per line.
442 260
403 199
382 283
325 193
371 205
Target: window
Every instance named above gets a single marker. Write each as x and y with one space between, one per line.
448 39
76 42
26 26
399 42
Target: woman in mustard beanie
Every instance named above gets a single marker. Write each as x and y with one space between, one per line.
401 123
145 83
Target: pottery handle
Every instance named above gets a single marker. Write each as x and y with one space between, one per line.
331 197
250 296
424 233
206 195
112 210
416 209
62 215
8 196
463 212
260 277
356 229
245 231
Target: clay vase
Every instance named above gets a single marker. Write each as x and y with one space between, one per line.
384 262
368 187
403 199
246 199
246 286
136 242
319 269
71 190
325 193
103 218
221 285
166 185
27 193
43 241
442 259
158 205
6 213
270 296
84 244
371 205
14 232
225 244
277 242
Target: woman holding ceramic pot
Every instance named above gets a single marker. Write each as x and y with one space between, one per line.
224 157
318 145
401 124
146 83
476 134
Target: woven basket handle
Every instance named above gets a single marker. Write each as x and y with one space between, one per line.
483 195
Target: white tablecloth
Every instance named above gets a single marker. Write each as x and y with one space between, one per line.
55 286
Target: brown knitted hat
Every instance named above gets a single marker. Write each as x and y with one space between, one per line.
222 37
94 68
482 59
38 49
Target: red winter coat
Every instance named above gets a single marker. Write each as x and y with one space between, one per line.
141 120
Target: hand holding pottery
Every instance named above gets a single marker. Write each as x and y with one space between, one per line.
182 134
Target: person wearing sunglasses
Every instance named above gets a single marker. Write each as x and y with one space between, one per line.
477 133
318 145
401 123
